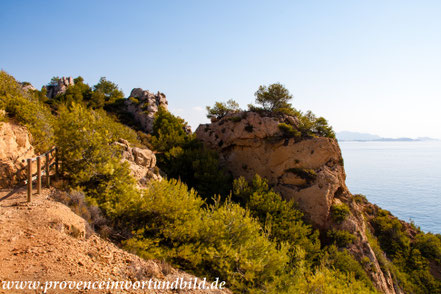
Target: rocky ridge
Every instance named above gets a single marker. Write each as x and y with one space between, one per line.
307 170
61 87
143 105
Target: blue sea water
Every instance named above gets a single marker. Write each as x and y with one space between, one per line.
402 177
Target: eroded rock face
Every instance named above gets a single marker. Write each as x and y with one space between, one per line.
142 162
256 145
27 87
15 146
144 106
61 87
309 171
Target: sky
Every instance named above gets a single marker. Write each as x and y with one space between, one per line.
366 66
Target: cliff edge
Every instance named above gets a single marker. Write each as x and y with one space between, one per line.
308 170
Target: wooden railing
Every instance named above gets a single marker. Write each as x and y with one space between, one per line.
49 162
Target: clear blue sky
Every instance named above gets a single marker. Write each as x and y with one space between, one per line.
369 66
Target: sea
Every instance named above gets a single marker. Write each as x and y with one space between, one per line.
402 177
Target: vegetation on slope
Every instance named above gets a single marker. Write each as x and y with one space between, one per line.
27 109
253 239
414 259
183 156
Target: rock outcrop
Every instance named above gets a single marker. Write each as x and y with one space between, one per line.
307 170
143 105
142 162
15 146
25 86
60 87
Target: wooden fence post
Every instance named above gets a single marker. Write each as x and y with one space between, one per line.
29 172
48 177
38 175
56 162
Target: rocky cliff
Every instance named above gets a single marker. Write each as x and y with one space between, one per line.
60 87
15 146
307 170
142 162
143 105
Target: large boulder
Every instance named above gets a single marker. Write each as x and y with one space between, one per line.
143 105
15 146
142 162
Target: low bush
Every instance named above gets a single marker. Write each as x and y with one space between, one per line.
390 233
344 262
339 212
413 261
360 198
289 131
27 109
282 220
429 245
185 157
90 163
340 238
222 240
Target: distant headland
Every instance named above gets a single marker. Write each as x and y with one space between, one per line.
366 137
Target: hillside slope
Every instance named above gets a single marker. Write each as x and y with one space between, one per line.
45 241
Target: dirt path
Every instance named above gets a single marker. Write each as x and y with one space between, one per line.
44 241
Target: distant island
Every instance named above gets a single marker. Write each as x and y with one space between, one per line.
365 137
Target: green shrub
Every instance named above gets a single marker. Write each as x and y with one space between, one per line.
109 89
91 163
390 233
220 109
280 218
344 262
412 262
288 131
220 241
183 156
311 126
359 198
429 245
27 109
134 100
324 280
339 212
340 237
236 119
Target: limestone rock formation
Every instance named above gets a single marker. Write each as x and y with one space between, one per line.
307 170
15 146
60 87
25 86
143 105
142 162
